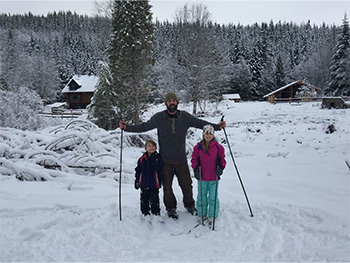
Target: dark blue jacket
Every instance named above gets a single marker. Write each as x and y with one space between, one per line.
149 171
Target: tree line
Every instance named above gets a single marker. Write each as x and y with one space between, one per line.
192 56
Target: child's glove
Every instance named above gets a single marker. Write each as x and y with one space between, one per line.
197 173
219 171
136 185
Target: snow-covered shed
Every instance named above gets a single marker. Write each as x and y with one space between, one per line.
56 107
234 96
335 103
288 92
79 90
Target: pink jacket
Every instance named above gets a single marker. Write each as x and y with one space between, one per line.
208 160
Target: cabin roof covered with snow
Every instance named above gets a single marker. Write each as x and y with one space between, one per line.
233 96
81 83
291 84
57 105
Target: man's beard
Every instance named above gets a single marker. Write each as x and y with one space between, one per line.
172 108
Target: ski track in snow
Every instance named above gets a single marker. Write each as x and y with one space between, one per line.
276 233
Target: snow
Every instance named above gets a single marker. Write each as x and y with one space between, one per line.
57 105
292 168
231 96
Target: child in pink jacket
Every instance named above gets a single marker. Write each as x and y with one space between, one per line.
208 162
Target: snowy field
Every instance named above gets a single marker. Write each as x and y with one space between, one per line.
292 167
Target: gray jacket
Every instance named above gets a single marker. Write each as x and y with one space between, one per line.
172 131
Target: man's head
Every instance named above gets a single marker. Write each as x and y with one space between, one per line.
171 102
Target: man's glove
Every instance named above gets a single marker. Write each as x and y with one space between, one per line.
136 185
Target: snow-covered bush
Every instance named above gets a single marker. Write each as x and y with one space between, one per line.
306 92
79 147
20 109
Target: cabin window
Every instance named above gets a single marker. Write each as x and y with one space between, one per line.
73 85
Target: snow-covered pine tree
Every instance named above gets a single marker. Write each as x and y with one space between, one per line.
280 75
166 70
241 79
165 73
130 56
42 71
223 65
101 109
9 61
267 65
255 67
339 80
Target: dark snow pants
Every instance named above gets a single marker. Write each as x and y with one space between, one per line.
150 201
182 173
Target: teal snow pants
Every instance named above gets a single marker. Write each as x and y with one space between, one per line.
208 197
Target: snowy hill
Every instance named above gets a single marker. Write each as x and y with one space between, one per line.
292 166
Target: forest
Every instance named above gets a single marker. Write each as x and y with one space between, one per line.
196 58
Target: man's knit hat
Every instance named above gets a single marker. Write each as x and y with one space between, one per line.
171 95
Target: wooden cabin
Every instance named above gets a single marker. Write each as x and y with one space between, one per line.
288 92
234 96
79 90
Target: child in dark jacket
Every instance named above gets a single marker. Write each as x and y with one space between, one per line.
208 161
148 178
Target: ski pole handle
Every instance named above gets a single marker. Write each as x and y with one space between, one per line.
222 119
121 123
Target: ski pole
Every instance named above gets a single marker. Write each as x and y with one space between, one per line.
120 174
215 198
201 189
239 177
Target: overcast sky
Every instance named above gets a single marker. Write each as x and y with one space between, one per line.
223 11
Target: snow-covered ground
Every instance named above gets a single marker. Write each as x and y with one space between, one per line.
292 167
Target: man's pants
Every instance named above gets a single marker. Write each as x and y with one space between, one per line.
182 173
150 201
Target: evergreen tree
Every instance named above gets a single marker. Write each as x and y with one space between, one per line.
280 76
166 71
256 67
130 56
9 62
339 82
241 79
165 74
124 86
101 109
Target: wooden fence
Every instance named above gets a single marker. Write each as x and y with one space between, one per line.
62 115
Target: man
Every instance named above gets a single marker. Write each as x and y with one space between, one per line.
172 125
